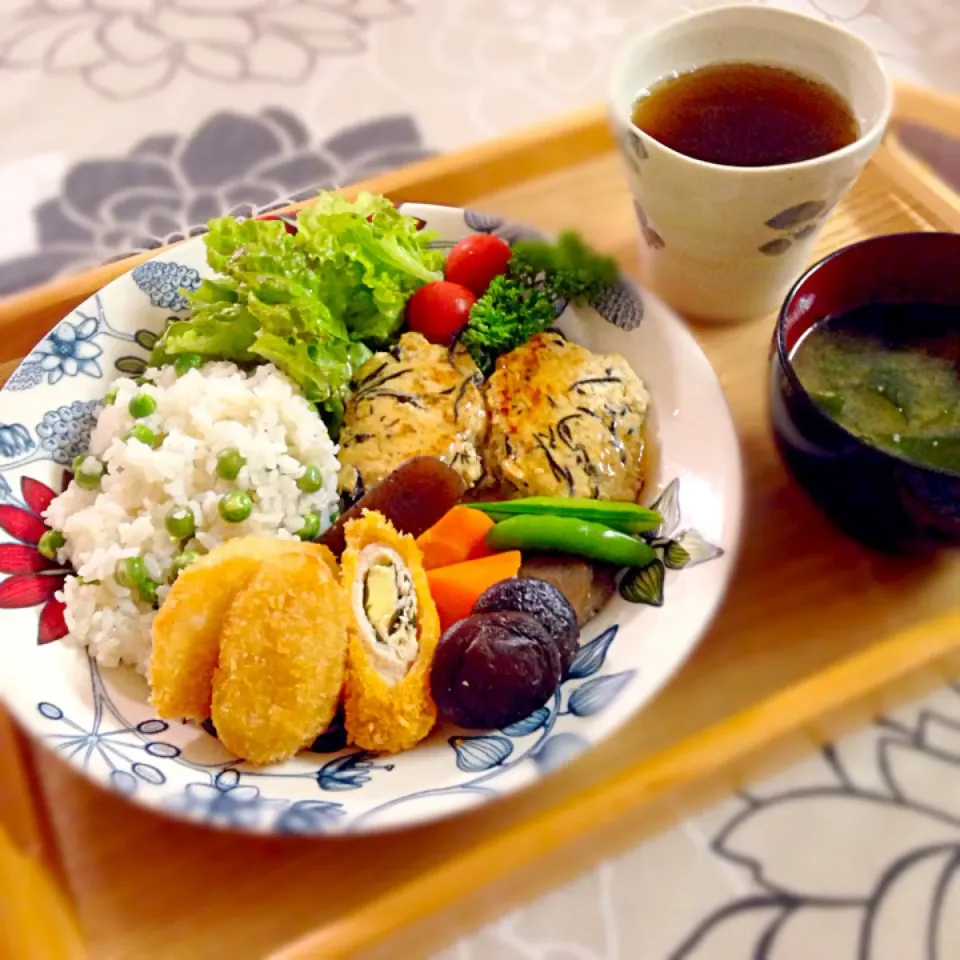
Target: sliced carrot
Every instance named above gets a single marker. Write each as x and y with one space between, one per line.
455 589
456 537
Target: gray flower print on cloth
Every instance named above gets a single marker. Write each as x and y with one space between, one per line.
128 48
170 186
824 892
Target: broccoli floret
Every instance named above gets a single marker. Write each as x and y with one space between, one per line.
505 317
522 304
565 270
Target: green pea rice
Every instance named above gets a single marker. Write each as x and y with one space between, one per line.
197 416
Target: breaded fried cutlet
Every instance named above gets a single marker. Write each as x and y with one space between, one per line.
186 631
394 629
282 658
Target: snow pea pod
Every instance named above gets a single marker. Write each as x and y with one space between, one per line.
627 517
570 535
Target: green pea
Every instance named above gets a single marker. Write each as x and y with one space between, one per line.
230 463
311 527
130 572
312 479
87 476
186 362
181 561
180 522
141 432
110 397
142 405
50 543
147 589
235 507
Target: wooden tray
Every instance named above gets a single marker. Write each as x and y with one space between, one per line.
816 635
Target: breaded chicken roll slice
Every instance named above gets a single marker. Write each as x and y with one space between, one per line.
393 635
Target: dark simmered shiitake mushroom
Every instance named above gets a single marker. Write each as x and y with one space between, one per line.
543 601
494 669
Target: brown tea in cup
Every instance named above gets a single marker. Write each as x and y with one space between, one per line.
746 115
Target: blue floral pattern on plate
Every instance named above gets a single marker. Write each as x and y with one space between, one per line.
65 432
69 351
15 440
165 283
132 755
99 718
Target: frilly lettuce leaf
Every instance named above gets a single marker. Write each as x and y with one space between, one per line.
378 254
224 332
313 302
321 370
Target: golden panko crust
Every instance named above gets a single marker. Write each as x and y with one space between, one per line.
380 717
282 658
186 631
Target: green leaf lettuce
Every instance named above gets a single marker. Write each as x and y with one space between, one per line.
312 302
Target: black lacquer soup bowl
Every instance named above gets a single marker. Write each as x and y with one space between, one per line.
880 498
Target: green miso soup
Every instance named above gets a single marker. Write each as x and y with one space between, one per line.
888 373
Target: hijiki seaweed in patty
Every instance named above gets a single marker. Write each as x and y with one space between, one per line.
565 422
419 399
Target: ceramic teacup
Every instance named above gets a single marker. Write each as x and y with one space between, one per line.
722 242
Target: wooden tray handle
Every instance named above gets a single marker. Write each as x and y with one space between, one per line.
938 111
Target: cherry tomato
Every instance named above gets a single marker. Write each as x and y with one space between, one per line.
476 260
439 309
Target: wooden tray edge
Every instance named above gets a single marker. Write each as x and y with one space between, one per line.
37 909
705 764
22 809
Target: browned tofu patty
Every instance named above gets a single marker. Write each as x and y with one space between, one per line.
417 400
565 422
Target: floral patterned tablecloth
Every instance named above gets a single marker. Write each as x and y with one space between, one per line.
853 854
131 122
128 123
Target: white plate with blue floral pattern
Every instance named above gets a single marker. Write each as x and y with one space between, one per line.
99 720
